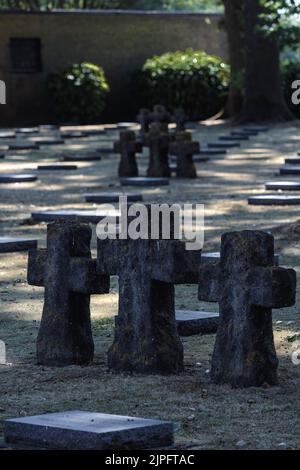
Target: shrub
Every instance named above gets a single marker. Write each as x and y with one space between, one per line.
193 80
78 92
290 71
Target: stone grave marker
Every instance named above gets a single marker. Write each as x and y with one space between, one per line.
144 118
247 286
290 170
292 161
24 146
81 158
7 135
194 323
27 130
146 338
158 143
86 430
69 276
283 185
184 149
85 216
160 114
56 167
49 141
275 200
180 118
144 181
16 178
107 197
14 244
214 256
223 145
127 146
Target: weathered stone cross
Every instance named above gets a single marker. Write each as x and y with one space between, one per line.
144 118
180 118
184 149
247 286
146 338
158 143
127 146
160 114
69 276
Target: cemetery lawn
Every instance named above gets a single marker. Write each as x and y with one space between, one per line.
205 416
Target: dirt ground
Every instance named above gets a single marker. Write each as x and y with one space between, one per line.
205 416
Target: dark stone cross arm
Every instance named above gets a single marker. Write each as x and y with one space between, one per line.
83 277
269 287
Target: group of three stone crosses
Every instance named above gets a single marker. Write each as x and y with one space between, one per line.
155 135
244 282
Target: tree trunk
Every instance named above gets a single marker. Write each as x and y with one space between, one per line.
235 33
264 100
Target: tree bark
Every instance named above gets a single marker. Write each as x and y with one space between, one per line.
235 31
264 100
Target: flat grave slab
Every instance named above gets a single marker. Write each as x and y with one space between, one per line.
126 125
84 430
194 323
242 133
53 141
14 244
234 137
87 216
103 198
276 200
289 170
283 185
57 167
81 158
48 127
7 135
214 256
92 132
144 181
292 161
196 158
256 128
211 152
27 130
14 178
106 150
225 145
73 135
24 146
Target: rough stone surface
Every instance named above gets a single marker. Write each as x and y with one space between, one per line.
195 323
103 198
158 143
143 181
10 178
247 286
69 276
84 430
92 217
146 338
214 256
184 149
290 170
127 146
13 244
283 185
276 200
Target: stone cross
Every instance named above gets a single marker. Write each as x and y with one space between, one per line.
127 146
158 143
184 149
160 114
180 119
69 276
247 286
144 118
146 338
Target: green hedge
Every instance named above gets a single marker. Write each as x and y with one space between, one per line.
190 79
78 93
